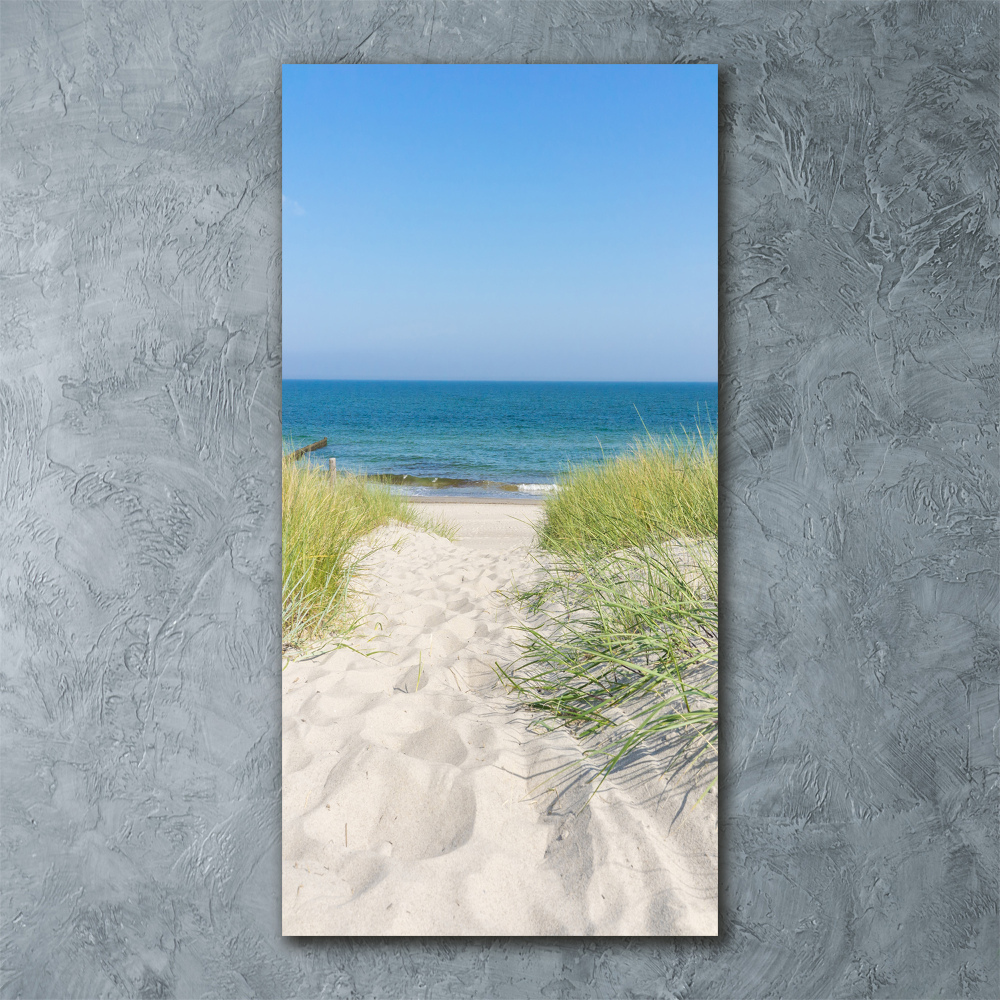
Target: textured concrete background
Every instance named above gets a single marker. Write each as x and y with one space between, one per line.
140 538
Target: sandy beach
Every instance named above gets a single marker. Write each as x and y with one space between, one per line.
418 800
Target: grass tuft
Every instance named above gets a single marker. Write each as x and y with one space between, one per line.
623 645
325 533
660 488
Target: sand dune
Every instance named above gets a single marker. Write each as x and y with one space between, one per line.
418 800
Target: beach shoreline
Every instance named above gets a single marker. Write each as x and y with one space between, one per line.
419 799
511 501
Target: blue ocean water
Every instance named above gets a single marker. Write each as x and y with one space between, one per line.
484 438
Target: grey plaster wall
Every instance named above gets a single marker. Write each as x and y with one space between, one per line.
141 435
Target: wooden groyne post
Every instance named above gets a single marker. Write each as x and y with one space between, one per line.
333 471
299 452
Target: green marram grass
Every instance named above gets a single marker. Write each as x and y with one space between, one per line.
622 645
325 531
660 488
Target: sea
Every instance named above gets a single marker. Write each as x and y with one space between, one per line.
484 439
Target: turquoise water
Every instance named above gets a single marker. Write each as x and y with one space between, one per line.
484 438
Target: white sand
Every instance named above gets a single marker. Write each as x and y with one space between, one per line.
417 801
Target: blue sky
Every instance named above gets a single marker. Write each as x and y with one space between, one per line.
500 222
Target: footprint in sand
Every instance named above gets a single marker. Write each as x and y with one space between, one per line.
411 681
427 617
423 808
438 743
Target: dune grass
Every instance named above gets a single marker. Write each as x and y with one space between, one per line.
622 648
323 542
660 488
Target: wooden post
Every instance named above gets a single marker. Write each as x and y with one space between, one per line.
333 471
315 446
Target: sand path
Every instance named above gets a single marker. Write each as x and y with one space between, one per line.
417 800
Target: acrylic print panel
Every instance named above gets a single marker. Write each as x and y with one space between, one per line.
500 500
